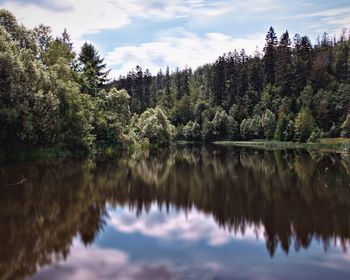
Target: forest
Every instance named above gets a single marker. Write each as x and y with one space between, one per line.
54 96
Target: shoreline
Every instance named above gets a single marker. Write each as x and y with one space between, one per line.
340 145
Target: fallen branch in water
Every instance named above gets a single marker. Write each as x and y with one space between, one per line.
15 184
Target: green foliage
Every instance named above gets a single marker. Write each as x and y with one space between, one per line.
232 128
315 135
182 112
154 125
305 98
232 124
258 127
28 103
346 127
199 110
43 37
270 56
112 118
18 34
44 105
76 116
281 127
49 97
304 125
251 128
93 71
288 133
286 77
208 131
57 50
220 122
117 101
268 123
192 131
179 133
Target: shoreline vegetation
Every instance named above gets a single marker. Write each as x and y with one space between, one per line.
58 102
341 145
337 145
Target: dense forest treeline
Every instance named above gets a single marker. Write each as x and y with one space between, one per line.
51 96
291 91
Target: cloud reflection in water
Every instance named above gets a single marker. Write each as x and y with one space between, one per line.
180 225
96 263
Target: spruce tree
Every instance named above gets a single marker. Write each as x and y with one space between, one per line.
283 66
93 70
167 100
270 57
341 63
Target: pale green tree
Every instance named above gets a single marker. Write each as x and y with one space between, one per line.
304 125
154 125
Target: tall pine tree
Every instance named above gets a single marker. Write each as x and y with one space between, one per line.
270 57
93 70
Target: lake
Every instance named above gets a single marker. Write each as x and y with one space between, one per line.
187 212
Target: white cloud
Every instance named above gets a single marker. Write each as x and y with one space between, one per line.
256 6
60 5
330 20
82 17
178 51
85 17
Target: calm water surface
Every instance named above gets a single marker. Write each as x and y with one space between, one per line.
190 212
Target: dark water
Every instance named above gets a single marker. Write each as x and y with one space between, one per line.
185 213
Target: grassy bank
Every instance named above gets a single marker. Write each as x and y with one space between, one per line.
21 153
326 144
29 154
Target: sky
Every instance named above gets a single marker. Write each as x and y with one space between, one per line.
178 33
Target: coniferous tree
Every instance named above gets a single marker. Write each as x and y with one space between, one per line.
139 89
342 62
93 70
284 67
167 98
148 94
178 86
218 81
255 73
301 61
243 74
270 57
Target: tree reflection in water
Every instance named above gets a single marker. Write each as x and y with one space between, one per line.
296 196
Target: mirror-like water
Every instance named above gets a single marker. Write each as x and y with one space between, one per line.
190 212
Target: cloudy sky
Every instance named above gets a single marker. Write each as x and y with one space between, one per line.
157 33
